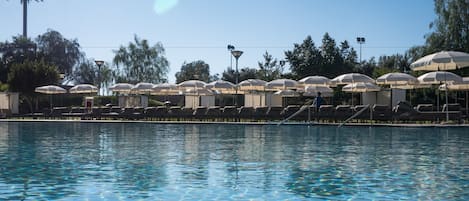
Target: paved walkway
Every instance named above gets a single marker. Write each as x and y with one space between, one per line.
239 123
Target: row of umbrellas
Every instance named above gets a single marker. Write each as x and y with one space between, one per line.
355 82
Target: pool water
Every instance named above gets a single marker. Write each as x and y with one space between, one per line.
144 161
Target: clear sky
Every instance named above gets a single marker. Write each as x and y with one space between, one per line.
201 29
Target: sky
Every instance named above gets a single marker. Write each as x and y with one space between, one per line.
193 30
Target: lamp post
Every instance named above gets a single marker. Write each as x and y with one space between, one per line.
231 48
99 63
360 40
236 54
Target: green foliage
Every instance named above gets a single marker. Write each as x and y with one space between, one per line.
245 73
196 70
17 51
57 50
329 60
450 30
87 72
269 70
140 62
25 77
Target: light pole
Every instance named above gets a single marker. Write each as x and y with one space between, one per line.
231 48
99 63
360 40
236 54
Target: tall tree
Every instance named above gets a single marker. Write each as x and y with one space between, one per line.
87 73
330 60
305 59
62 52
269 69
451 30
17 51
25 16
25 77
196 70
245 73
141 62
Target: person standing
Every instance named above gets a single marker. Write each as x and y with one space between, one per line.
318 101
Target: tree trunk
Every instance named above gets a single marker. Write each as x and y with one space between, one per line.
25 18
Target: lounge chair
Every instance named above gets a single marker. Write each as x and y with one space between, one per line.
382 112
343 112
230 113
275 113
213 112
260 113
246 112
326 112
290 110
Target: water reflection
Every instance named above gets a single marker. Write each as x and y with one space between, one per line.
204 162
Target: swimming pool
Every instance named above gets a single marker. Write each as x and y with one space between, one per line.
145 161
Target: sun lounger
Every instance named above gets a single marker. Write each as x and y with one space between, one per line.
230 113
275 113
246 112
382 112
326 112
343 112
260 113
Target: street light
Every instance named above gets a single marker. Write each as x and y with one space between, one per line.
360 40
236 54
99 63
231 48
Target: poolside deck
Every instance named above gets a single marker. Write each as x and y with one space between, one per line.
416 125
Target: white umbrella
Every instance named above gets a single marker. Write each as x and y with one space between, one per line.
192 84
313 91
396 79
281 84
165 89
361 87
222 86
351 78
440 77
444 60
198 92
83 89
252 85
142 88
314 80
462 86
287 93
50 89
121 87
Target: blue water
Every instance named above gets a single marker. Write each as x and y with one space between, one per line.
137 161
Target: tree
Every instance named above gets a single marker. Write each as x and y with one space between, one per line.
25 16
245 73
25 77
57 50
305 59
269 70
17 51
196 70
330 60
451 30
141 62
87 73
